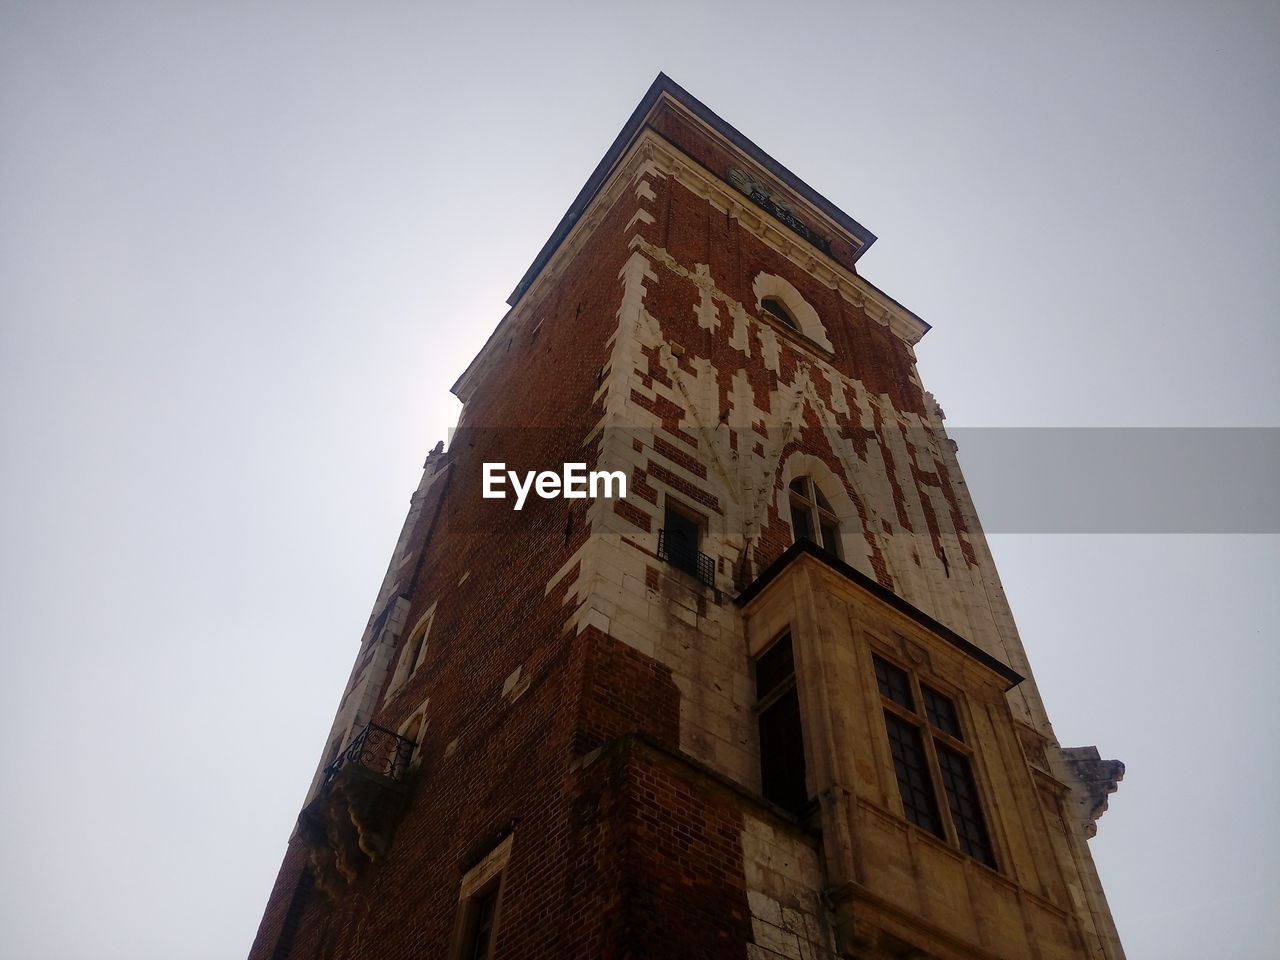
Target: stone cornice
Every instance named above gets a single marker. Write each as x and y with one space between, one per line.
670 161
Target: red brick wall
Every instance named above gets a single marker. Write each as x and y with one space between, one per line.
511 760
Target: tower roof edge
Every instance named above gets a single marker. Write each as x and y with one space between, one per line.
639 119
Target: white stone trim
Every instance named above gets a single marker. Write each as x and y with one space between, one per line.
808 323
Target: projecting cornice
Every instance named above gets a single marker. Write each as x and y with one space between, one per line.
802 549
757 181
668 160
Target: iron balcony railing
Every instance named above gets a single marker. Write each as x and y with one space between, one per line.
378 750
680 553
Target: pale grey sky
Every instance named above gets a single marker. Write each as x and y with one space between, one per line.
245 249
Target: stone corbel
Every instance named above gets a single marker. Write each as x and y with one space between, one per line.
1092 781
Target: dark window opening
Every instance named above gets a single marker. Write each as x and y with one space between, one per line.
681 535
941 711
893 683
929 759
962 798
415 648
782 765
775 667
912 769
678 543
480 927
773 306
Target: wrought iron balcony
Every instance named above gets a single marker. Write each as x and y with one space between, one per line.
377 750
683 555
351 821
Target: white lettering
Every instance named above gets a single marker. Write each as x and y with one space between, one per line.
575 481
493 475
521 492
548 485
608 479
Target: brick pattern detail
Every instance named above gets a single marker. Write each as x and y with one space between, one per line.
663 879
624 691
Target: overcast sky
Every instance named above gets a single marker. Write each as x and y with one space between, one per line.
245 248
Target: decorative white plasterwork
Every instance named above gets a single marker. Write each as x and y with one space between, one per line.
806 317
653 155
669 160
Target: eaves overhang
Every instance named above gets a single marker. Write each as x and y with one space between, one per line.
638 121
803 548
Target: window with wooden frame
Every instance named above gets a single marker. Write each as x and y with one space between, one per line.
782 764
932 759
812 517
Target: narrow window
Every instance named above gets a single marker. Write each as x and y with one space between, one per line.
411 731
678 543
773 306
812 517
482 910
412 653
962 798
931 759
782 768
941 711
480 899
681 536
416 646
912 769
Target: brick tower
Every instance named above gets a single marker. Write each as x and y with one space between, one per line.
771 703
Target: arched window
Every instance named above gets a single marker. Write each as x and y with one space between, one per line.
812 517
778 301
417 645
411 732
773 306
413 729
412 653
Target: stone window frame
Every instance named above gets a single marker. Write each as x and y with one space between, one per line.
852 549
701 523
412 652
778 310
487 876
416 735
812 502
931 735
809 326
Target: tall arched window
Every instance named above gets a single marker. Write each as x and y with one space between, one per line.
812 517
412 653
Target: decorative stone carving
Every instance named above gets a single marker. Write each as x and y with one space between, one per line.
1093 780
